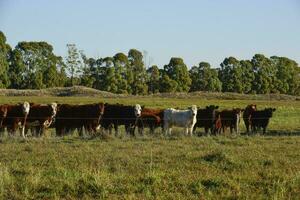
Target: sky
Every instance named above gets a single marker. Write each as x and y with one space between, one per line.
195 30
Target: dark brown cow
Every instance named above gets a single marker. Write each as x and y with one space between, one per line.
229 118
247 114
72 117
118 114
16 117
40 117
261 118
206 118
151 118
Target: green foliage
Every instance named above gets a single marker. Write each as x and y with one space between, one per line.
139 82
167 84
34 65
5 51
154 79
177 71
204 78
231 75
73 64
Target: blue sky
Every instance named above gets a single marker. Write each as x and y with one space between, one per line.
196 30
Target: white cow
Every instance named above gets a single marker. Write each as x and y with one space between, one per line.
180 118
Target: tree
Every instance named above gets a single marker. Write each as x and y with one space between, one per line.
247 76
265 74
177 71
231 75
167 84
121 64
154 79
287 74
31 62
204 78
139 82
5 52
73 64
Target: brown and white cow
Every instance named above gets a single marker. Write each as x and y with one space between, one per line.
40 117
72 117
150 118
16 117
3 113
229 118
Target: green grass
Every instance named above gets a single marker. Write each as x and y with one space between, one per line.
150 168
156 167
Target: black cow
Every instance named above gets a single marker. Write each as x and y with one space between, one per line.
261 118
206 118
118 114
247 115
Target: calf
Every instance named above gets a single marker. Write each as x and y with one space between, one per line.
206 118
72 117
247 115
229 118
40 117
118 114
261 118
151 118
16 117
180 118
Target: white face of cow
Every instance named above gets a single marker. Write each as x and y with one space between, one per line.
137 110
26 108
194 110
54 108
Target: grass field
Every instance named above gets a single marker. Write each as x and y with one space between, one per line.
156 167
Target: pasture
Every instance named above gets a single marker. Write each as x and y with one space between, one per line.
155 166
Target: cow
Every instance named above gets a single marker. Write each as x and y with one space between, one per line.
40 117
228 118
261 118
72 117
16 118
180 118
119 114
247 115
151 118
3 113
206 118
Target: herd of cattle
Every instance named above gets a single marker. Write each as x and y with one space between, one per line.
67 118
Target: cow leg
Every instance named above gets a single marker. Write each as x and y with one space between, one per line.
191 131
186 131
264 130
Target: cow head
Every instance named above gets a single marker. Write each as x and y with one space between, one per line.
237 114
137 110
250 108
54 109
269 112
26 108
193 108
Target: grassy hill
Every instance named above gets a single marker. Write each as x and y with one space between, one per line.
81 91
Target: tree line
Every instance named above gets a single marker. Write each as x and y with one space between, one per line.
33 65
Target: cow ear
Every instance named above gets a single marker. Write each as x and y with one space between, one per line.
273 109
217 107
